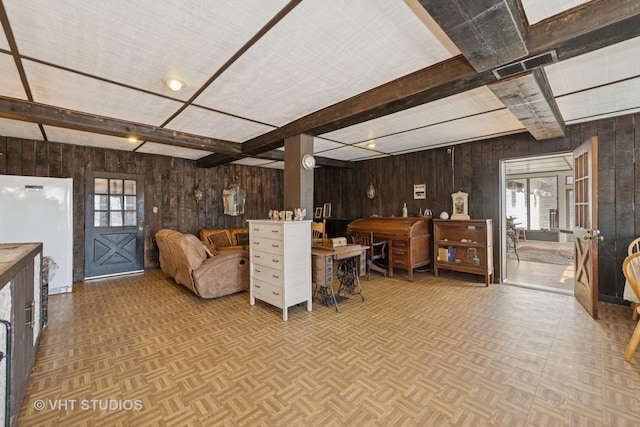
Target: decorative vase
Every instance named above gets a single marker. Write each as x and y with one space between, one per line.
404 210
444 215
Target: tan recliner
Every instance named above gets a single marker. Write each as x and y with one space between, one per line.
183 257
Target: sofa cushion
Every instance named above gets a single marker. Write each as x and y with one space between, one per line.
242 239
220 238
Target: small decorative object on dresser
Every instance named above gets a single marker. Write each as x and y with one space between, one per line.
460 205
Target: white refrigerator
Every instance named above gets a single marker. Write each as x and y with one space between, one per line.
35 209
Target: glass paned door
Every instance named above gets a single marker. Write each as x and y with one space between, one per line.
114 232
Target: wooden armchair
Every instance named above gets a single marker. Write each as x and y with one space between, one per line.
375 251
631 270
319 230
633 248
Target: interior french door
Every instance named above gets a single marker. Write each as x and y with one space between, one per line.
586 233
114 224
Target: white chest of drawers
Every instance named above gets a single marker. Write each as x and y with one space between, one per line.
280 254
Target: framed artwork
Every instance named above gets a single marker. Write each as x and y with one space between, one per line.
327 210
318 213
420 191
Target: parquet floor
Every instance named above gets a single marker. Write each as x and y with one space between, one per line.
435 352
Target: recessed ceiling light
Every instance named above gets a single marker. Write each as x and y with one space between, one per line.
371 144
132 139
175 84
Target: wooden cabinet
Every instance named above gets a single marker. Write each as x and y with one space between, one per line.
20 305
408 239
280 254
464 245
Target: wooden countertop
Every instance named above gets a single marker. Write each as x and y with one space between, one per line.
11 257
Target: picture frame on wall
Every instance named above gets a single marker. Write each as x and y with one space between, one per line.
420 191
318 213
326 212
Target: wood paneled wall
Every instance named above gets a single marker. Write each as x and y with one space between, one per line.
474 168
169 184
470 167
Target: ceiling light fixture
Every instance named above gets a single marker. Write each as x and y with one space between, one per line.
371 144
132 139
175 84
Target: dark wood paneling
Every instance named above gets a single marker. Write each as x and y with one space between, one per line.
477 172
3 155
169 184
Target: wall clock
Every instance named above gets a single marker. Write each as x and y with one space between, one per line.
308 162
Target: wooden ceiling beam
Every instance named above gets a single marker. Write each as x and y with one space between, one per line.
599 24
529 98
213 160
444 79
489 33
587 27
16 109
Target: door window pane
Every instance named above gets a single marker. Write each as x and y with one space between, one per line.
129 218
130 203
100 219
117 186
116 219
100 203
101 186
115 203
129 187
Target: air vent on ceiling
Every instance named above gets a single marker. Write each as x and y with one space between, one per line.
526 64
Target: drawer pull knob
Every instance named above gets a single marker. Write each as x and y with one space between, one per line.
275 276
258 271
257 286
256 243
275 231
275 246
256 229
256 256
276 293
275 260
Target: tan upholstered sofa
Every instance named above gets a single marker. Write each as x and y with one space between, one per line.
185 258
222 239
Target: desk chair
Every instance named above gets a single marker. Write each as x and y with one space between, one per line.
631 270
633 248
319 230
375 251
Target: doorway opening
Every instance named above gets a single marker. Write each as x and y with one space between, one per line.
537 203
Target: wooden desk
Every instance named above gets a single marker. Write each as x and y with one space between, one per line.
409 239
322 269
